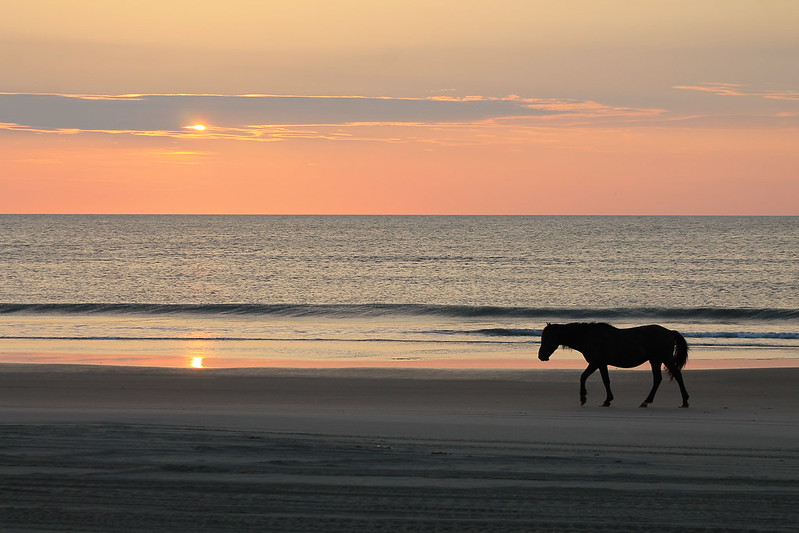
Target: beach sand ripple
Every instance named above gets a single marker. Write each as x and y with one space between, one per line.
435 463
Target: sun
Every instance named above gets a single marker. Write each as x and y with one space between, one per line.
196 127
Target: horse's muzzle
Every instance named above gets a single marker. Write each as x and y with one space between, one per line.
543 357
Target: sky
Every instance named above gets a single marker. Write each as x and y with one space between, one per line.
400 107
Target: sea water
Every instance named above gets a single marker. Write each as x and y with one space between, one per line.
459 291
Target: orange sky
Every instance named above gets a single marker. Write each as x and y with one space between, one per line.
502 107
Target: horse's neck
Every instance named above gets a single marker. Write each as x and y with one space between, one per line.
575 344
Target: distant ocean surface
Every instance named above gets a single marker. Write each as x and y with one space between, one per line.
428 291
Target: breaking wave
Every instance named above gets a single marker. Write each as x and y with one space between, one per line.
455 311
503 332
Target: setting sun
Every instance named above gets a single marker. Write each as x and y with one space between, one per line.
196 127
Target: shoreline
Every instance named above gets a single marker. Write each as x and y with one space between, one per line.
196 355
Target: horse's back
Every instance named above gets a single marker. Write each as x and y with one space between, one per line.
650 330
650 333
630 347
652 338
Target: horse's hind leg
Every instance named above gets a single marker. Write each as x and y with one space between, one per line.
584 376
657 377
606 380
676 374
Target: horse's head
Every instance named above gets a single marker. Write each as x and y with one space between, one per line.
550 340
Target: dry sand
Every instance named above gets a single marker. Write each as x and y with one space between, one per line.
124 449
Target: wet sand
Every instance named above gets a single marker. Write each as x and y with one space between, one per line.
132 449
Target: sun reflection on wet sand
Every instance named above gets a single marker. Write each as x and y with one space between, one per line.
198 351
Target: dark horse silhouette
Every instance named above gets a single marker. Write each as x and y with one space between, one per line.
603 345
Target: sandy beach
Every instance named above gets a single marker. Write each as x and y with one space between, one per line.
87 448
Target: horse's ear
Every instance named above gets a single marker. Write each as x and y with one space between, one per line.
549 323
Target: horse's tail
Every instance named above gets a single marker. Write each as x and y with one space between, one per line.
680 352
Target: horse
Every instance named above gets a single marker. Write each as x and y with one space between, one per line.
602 345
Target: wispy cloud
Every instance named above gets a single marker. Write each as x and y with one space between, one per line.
175 111
275 117
734 89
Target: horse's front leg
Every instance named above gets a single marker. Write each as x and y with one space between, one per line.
588 371
606 380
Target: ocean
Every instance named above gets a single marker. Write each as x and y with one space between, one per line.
390 291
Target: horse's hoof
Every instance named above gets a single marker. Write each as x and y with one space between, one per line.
644 405
606 404
684 406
